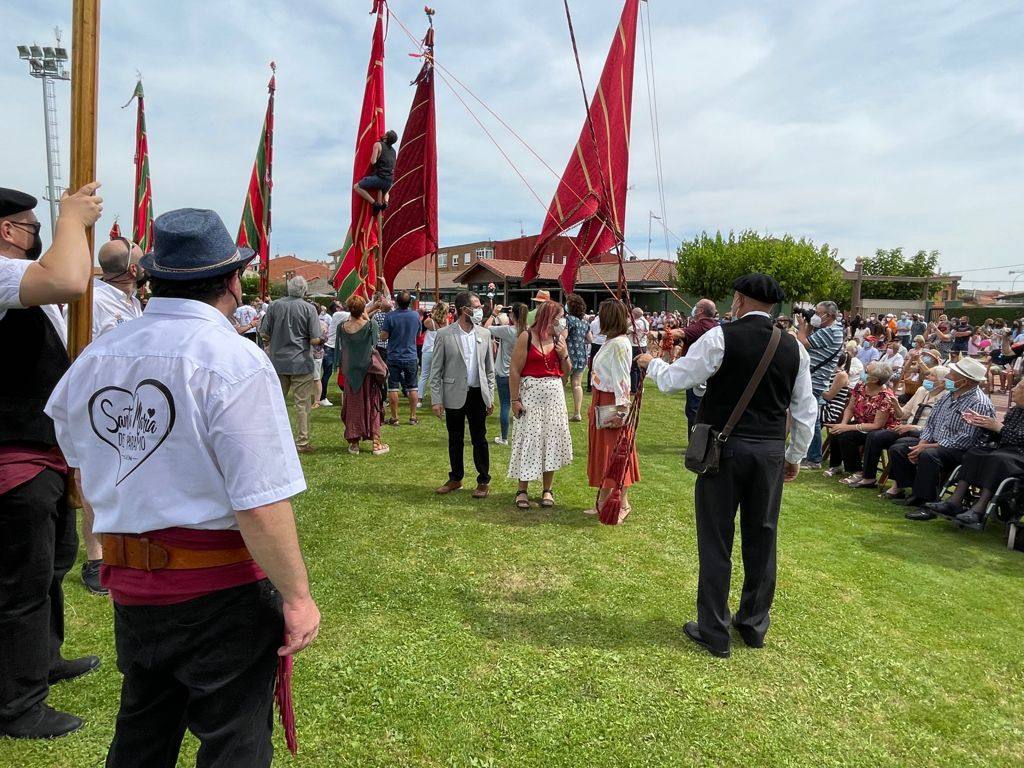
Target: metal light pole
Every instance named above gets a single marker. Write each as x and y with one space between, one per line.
49 64
1018 273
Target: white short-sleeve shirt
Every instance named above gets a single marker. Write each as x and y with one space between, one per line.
175 420
11 273
111 307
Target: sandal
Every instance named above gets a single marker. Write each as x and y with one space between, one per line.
545 502
524 502
853 479
833 471
413 420
381 448
353 449
890 496
624 513
392 422
575 417
865 483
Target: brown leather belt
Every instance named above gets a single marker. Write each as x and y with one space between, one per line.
140 552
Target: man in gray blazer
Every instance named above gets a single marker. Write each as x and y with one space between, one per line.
461 389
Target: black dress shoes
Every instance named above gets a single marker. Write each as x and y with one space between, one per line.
40 722
750 638
914 501
693 633
970 518
920 514
69 669
948 508
91 577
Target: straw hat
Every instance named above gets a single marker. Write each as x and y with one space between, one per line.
969 368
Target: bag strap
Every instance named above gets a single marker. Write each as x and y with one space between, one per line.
827 360
755 380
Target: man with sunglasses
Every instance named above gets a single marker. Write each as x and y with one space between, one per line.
38 543
114 301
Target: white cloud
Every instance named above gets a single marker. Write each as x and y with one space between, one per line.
864 124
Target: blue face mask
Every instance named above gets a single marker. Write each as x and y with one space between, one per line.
928 384
864 376
950 385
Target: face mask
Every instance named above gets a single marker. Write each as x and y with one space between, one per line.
866 344
36 249
949 384
560 325
815 321
864 376
929 361
477 316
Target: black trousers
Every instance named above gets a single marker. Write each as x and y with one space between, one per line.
932 468
878 441
750 479
475 412
594 348
38 545
207 665
845 450
986 468
692 405
634 371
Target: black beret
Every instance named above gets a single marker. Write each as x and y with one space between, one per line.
12 201
759 287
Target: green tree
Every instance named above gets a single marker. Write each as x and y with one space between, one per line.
893 262
708 265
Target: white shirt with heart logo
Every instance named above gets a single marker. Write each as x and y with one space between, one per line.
175 420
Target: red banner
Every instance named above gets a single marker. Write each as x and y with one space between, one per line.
142 215
358 271
592 190
410 222
254 229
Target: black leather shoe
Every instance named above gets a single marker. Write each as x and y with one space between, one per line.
970 518
750 638
69 669
914 501
40 722
920 514
944 508
693 633
91 577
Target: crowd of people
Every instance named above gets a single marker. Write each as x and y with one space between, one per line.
186 494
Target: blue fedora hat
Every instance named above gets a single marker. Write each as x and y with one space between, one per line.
192 244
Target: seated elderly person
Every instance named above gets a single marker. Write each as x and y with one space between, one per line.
913 417
856 366
892 355
985 467
915 370
923 464
870 408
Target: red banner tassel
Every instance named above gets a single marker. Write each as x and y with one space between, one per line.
283 697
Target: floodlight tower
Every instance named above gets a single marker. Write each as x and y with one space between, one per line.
49 65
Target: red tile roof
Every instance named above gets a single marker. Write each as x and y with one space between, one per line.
658 271
282 265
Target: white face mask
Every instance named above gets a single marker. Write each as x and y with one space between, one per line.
560 325
478 315
815 321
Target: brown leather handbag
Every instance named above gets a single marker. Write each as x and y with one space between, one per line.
704 450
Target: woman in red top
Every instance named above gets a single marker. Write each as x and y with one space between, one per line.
872 406
541 442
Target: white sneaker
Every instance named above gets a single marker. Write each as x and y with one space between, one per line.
326 403
500 440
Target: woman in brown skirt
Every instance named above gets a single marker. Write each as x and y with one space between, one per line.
610 388
362 408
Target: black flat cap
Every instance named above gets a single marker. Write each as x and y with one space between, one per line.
12 201
759 287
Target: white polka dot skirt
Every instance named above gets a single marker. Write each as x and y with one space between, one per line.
540 438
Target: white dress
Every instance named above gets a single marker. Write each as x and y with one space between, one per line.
540 440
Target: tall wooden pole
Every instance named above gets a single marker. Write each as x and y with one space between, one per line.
437 280
85 59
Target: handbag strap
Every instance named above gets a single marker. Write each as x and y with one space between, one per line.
755 380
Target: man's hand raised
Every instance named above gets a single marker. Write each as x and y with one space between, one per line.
84 205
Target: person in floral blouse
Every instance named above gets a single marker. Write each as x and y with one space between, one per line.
578 341
872 406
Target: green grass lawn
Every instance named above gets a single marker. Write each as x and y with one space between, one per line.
467 633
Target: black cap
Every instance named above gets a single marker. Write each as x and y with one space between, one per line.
12 201
759 287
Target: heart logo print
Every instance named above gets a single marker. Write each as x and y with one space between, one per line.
134 424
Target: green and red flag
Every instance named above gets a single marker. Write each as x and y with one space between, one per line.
254 230
592 190
358 271
142 213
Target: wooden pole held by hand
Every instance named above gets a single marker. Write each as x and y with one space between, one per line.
85 57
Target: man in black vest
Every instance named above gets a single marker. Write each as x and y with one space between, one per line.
754 462
38 542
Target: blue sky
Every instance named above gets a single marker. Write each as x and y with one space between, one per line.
860 123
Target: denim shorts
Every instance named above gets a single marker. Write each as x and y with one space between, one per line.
376 182
402 376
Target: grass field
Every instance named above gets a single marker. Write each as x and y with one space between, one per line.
465 633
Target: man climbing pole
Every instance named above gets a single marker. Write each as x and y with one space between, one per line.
382 163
